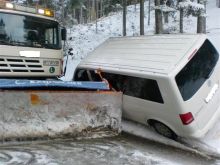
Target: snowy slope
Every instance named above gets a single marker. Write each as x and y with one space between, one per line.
84 38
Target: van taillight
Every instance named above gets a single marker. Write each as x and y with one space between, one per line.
186 118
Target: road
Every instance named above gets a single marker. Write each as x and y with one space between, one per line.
122 150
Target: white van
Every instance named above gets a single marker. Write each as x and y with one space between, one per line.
170 82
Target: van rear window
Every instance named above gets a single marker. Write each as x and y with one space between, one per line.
197 70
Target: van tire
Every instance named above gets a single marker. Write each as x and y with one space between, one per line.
163 130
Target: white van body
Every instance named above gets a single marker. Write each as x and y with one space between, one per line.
184 67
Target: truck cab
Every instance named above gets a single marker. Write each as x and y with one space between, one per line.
30 42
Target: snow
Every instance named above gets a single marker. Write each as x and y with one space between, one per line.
84 38
145 132
188 4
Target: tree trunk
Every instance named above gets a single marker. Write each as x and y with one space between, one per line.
201 20
218 3
93 12
96 16
101 8
141 17
124 17
148 12
166 17
158 19
181 20
81 15
62 11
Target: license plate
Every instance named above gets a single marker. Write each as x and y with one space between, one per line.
51 63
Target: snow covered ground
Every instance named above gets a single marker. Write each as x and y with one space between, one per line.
121 150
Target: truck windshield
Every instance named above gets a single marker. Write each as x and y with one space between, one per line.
197 70
28 31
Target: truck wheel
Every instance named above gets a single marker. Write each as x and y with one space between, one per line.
163 130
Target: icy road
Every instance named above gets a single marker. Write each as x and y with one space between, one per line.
121 150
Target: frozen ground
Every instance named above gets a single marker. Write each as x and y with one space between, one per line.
122 150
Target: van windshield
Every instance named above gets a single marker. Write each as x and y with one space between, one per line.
197 70
21 30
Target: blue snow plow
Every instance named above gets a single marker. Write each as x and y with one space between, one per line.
52 85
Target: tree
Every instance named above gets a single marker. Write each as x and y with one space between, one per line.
201 19
181 18
148 21
124 17
158 18
187 8
218 3
141 17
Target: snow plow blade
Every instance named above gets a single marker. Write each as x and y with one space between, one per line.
59 112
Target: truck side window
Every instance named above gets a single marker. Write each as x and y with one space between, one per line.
86 75
81 75
142 88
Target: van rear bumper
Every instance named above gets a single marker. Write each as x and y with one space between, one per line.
202 132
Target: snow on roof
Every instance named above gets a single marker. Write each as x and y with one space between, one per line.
155 53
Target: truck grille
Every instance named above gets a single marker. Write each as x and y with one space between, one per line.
20 65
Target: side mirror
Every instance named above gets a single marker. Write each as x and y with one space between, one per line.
63 34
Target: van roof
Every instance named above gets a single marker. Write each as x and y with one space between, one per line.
156 53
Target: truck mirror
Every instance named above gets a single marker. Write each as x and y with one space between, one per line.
63 34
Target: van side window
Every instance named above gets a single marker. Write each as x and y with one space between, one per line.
116 81
143 88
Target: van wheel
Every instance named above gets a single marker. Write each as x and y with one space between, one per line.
163 130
